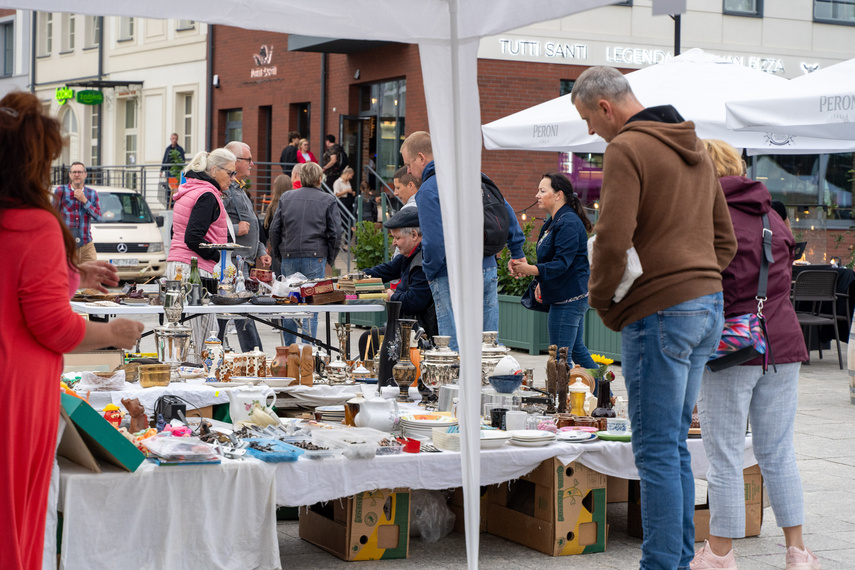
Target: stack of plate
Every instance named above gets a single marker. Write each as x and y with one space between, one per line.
576 436
421 425
331 414
532 438
491 439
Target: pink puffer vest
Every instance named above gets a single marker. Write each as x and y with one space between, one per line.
185 199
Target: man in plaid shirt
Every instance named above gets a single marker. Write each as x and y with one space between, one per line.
79 207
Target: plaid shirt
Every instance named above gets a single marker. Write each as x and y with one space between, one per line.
78 217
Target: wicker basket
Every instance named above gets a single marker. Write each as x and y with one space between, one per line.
154 375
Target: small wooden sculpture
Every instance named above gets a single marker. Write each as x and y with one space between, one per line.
552 377
139 420
307 366
563 369
294 362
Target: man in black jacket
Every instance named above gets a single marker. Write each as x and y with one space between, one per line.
413 290
288 158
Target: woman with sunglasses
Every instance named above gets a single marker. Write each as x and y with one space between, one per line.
199 216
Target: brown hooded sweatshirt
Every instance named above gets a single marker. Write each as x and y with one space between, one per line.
661 195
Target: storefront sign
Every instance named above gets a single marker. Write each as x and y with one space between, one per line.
63 94
262 60
90 97
535 48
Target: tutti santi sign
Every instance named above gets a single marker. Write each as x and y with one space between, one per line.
90 97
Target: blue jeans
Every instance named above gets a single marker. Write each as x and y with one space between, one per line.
727 399
312 268
663 361
445 313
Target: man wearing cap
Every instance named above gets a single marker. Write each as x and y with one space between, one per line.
413 290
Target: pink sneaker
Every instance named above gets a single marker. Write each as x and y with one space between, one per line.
705 559
799 559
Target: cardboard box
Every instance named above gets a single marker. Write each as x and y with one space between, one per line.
456 506
325 286
93 361
753 508
617 489
88 436
373 525
556 509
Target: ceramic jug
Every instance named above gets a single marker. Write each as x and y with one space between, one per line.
242 399
378 413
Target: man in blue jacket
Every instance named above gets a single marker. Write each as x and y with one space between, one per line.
413 290
417 153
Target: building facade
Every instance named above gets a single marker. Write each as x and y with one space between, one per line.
120 87
371 94
15 54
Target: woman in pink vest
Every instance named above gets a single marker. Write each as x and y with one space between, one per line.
199 216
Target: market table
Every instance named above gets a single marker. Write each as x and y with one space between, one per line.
305 482
189 516
246 309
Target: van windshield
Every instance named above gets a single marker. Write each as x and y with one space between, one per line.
123 208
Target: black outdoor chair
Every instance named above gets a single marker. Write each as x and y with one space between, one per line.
816 287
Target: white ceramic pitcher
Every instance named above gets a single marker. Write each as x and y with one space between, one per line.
242 399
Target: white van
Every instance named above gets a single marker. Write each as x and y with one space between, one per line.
128 235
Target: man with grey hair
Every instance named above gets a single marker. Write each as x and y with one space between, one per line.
242 215
413 290
661 195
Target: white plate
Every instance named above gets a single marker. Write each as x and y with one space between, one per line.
531 443
577 437
276 382
493 443
531 435
223 384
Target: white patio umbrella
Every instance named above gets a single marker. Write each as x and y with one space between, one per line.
819 104
696 83
448 33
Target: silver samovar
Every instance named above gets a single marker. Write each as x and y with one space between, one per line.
491 353
440 365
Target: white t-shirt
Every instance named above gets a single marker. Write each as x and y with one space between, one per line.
341 186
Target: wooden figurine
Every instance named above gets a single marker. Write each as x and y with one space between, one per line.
307 366
294 361
551 378
563 377
139 419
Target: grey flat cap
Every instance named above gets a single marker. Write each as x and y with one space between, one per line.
404 218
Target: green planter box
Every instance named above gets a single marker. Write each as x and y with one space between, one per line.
367 320
520 327
599 339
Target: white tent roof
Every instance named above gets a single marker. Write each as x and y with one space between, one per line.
820 104
696 83
447 32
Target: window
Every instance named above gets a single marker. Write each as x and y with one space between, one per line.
93 31
386 101
68 33
566 86
7 42
234 125
126 29
94 149
184 25
45 33
68 122
743 8
834 11
131 121
185 120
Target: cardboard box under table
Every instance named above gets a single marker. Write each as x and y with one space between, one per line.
372 525
753 508
557 509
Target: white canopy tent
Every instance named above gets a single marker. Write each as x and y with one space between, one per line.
696 83
819 104
448 33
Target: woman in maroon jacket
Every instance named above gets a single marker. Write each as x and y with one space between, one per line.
729 397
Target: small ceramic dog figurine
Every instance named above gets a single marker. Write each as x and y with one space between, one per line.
139 420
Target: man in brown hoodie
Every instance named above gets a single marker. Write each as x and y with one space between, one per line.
661 195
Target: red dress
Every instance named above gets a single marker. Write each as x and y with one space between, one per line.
37 326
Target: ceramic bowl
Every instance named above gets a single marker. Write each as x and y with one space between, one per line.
506 383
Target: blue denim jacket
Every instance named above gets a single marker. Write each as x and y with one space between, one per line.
562 257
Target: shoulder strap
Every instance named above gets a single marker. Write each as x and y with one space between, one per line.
766 259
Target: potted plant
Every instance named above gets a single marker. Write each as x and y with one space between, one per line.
520 327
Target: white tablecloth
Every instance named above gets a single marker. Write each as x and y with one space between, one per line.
197 395
194 516
305 482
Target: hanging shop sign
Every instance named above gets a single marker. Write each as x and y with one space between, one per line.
63 94
262 61
90 97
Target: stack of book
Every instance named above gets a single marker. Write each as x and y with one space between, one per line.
346 284
369 288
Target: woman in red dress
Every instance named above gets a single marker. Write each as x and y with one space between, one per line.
37 324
